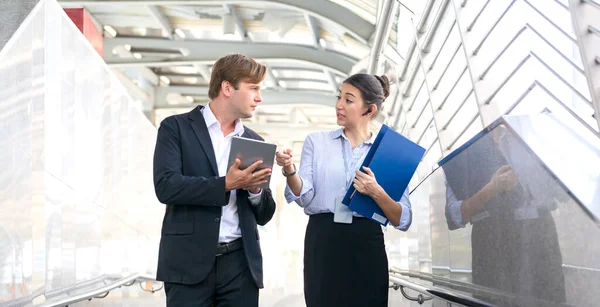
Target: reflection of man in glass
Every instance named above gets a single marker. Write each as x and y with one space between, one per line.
499 187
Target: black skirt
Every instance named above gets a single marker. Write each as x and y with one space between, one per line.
344 264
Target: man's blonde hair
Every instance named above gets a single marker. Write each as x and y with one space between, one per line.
234 68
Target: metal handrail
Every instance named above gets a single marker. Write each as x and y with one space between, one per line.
451 290
429 292
405 282
401 283
99 292
440 280
23 301
101 278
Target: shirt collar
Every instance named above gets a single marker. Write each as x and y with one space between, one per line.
210 120
372 139
336 134
209 116
339 133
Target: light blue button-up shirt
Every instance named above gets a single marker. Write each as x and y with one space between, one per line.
324 176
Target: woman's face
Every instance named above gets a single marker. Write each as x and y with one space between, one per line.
350 107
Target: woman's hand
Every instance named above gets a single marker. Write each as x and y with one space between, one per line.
366 183
504 180
284 159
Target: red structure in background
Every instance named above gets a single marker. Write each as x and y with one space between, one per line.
83 21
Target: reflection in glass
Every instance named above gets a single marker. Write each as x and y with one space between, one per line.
76 201
502 190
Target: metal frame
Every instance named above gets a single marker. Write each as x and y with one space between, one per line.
427 293
137 54
101 292
421 67
208 51
457 8
420 31
401 283
432 33
382 33
490 18
586 17
326 10
162 20
239 22
270 97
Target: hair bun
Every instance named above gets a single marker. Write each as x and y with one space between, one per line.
385 83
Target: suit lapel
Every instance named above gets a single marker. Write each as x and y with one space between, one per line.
199 126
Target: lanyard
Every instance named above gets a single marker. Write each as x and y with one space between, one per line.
350 176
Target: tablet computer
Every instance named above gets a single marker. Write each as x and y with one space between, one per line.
250 151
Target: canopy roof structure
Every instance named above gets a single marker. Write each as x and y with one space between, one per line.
163 50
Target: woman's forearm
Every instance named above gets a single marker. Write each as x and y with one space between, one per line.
474 204
390 208
294 181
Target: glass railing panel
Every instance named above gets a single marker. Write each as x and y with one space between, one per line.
571 152
506 227
76 194
22 201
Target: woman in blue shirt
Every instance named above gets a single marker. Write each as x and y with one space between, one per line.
345 263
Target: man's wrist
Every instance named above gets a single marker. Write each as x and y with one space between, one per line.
228 186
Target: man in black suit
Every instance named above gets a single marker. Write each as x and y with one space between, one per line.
209 250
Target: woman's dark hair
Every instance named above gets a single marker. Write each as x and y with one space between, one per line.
373 89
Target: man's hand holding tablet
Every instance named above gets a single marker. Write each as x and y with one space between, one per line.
250 164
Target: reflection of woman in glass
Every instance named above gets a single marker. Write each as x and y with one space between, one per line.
503 191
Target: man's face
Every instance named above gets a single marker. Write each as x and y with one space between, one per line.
244 100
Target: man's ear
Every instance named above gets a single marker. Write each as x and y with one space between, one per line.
226 88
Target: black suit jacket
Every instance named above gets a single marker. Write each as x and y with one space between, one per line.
187 180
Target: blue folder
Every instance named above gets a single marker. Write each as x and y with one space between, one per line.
393 159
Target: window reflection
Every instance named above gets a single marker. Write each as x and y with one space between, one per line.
499 188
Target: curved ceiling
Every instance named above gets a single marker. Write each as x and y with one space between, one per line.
163 50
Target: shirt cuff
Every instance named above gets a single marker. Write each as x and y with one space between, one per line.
290 196
456 215
405 218
255 198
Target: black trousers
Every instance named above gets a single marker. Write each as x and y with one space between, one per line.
344 264
229 284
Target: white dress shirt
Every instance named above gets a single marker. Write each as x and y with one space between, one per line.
229 228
